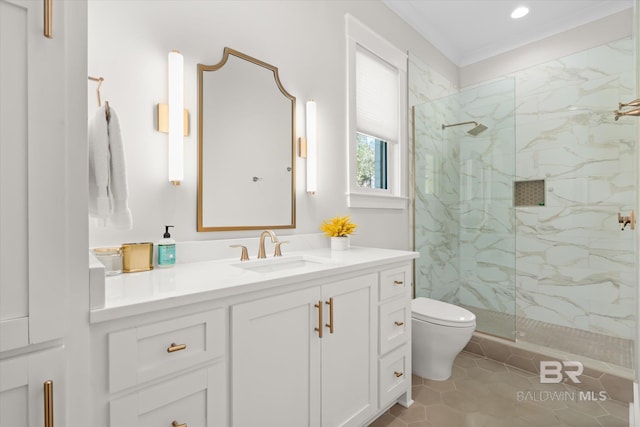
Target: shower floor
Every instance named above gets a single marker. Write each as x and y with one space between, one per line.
598 347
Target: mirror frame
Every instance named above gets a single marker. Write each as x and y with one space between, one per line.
201 70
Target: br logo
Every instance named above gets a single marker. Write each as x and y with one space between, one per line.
551 371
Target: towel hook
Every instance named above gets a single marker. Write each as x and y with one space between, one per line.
99 80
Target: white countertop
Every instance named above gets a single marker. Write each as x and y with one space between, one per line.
138 293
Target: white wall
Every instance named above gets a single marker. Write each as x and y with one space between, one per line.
128 45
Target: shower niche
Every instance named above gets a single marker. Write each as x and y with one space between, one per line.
529 193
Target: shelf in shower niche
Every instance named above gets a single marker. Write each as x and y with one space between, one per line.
529 193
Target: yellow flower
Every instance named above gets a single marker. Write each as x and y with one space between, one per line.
338 226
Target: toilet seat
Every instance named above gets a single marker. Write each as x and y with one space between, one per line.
441 313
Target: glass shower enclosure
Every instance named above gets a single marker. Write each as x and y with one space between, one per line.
520 223
464 214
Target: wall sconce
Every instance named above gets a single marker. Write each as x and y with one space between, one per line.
174 119
308 147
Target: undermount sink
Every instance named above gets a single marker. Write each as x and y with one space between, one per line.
270 265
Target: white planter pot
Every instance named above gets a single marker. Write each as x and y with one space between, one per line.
340 243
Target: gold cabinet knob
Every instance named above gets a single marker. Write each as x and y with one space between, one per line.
399 323
177 424
397 374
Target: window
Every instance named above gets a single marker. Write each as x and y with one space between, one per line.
371 162
377 119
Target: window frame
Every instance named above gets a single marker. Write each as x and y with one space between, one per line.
362 38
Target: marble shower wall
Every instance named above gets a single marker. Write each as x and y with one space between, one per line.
574 266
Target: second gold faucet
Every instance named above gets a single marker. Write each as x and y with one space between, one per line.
265 233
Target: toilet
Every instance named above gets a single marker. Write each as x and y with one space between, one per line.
439 331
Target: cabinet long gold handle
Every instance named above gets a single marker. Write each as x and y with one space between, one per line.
176 347
177 424
399 323
330 324
48 403
398 282
48 19
319 328
397 374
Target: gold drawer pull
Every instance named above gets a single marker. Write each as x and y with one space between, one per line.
399 323
176 424
176 347
48 19
330 324
397 374
319 328
398 282
48 403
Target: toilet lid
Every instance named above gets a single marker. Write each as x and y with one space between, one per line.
441 313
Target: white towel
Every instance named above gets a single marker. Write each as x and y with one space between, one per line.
108 189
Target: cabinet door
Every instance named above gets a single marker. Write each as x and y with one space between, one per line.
275 361
22 395
32 176
349 352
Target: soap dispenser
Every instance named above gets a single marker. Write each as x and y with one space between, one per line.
166 249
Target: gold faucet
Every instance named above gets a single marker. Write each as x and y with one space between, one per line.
274 239
634 112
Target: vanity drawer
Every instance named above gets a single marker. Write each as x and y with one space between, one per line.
195 399
394 374
394 324
395 281
147 352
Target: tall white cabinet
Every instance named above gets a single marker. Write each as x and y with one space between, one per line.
33 299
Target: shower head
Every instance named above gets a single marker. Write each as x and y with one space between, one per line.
478 127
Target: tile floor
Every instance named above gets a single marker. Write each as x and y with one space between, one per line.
484 393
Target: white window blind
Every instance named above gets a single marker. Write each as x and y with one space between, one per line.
376 96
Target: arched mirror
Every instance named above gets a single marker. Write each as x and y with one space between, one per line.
246 146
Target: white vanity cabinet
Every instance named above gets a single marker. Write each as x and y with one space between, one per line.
326 346
310 358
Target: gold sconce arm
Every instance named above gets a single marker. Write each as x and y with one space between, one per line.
163 119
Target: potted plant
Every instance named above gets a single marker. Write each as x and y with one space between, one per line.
339 228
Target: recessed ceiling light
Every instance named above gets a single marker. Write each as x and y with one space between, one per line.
519 12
